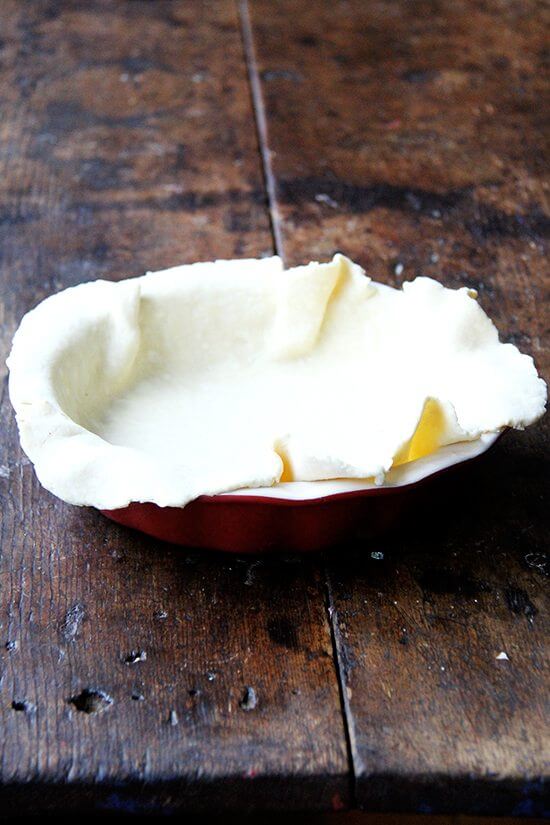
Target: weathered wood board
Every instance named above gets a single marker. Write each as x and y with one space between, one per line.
411 136
127 143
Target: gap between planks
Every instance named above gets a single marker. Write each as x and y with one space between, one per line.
260 122
347 718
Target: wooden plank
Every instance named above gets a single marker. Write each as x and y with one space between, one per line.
137 676
410 136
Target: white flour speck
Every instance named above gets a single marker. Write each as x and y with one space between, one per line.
322 197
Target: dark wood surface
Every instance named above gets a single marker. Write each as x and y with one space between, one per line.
128 144
139 677
431 121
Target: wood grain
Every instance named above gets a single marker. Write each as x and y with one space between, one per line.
410 136
136 676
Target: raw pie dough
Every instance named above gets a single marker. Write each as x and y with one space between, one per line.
217 376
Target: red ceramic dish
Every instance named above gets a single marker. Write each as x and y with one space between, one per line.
295 517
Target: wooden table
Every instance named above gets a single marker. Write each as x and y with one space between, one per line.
136 676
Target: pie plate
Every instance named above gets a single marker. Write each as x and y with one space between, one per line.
239 406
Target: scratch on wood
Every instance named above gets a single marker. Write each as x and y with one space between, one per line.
72 622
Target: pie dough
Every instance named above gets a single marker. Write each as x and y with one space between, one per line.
213 377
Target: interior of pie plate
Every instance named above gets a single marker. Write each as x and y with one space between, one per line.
175 400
